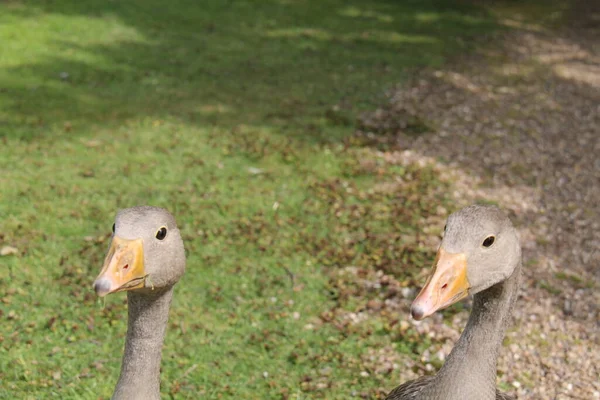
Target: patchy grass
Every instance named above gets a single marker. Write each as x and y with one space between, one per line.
574 280
236 117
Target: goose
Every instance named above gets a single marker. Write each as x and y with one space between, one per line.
479 254
146 258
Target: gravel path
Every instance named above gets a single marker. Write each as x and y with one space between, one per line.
519 124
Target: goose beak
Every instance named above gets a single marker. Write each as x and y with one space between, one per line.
447 285
123 267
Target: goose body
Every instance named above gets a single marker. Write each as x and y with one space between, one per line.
480 255
146 258
412 390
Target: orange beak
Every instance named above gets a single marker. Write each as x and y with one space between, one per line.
123 267
446 285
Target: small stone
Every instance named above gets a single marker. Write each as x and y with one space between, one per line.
8 251
441 355
255 171
407 292
568 307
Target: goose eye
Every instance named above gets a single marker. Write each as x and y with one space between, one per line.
489 241
113 228
161 233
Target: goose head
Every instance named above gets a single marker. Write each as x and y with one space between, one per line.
480 248
146 252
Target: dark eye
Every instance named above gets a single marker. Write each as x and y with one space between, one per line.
161 233
489 241
445 226
113 228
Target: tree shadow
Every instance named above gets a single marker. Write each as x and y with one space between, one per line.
276 63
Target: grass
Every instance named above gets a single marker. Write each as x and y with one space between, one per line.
235 116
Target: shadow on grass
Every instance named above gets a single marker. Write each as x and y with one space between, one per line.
275 63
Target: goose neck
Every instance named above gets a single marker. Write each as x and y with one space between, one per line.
470 369
147 322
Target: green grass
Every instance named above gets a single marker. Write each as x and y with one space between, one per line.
234 115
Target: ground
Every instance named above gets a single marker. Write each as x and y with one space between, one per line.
518 125
307 232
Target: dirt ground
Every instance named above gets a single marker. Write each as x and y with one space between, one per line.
518 124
